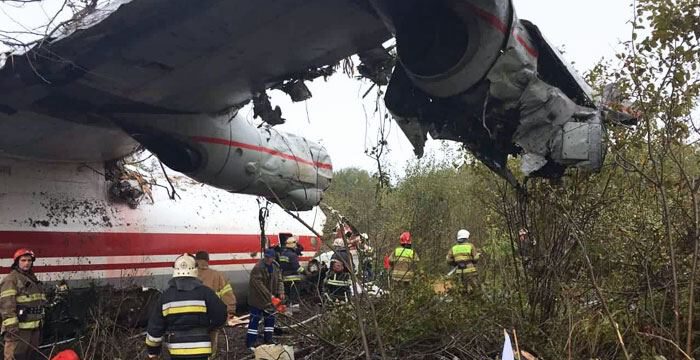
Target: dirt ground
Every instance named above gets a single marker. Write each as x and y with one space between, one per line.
232 339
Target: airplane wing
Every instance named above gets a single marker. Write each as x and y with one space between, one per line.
168 57
171 75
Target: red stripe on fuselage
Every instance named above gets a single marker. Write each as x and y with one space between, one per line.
81 244
132 266
262 149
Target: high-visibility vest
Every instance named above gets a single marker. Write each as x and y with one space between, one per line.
403 263
403 254
464 253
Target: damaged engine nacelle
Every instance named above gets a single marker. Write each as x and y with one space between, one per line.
470 71
230 153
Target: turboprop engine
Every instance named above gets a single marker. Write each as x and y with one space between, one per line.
228 152
470 71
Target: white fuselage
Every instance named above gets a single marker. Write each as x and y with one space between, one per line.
64 213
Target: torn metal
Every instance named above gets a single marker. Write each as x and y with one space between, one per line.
376 65
262 108
471 71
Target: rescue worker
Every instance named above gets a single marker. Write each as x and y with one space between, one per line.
526 247
403 261
22 303
314 277
291 272
463 256
216 281
188 311
274 244
266 291
367 256
337 284
341 253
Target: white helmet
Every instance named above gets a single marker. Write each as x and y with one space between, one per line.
291 243
185 265
462 235
339 242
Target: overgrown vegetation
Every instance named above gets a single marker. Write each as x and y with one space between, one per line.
611 267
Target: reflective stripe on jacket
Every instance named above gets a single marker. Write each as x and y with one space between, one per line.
22 300
463 256
216 281
188 311
289 264
403 260
339 279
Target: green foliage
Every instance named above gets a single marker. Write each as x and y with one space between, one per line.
608 251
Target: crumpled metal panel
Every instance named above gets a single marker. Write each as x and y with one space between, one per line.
525 102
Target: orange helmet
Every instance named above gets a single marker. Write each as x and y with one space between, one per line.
405 238
21 252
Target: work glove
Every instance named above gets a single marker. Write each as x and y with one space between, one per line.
276 301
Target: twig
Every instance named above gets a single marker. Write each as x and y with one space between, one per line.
174 193
668 341
594 282
517 347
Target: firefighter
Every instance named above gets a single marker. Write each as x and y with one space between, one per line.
341 253
403 261
337 283
266 292
216 281
188 312
367 257
463 256
291 272
22 303
314 277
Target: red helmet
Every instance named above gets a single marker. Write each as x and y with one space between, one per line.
66 355
22 252
405 238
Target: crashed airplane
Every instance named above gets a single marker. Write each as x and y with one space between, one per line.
170 76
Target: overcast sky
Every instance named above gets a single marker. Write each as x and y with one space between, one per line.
336 115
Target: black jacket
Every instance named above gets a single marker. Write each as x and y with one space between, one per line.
187 311
343 255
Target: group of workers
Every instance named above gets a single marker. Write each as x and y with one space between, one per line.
196 303
199 300
462 256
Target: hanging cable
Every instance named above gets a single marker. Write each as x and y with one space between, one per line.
263 213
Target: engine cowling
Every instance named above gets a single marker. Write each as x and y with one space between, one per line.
470 71
229 153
